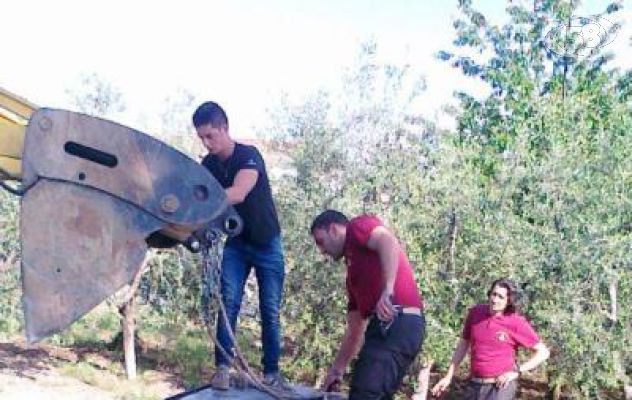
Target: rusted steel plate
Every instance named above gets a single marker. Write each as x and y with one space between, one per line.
123 162
99 191
78 247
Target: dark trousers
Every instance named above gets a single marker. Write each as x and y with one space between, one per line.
385 357
489 391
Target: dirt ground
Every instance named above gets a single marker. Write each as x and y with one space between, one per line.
32 372
35 372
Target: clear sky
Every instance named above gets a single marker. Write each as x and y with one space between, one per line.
242 53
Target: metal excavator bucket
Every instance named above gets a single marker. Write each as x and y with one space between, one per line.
96 195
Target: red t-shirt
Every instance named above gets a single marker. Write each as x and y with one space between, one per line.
495 339
364 271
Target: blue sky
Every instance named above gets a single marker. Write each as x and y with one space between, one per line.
244 54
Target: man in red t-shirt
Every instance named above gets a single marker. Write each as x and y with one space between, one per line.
385 320
492 333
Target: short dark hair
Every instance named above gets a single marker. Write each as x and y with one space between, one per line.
514 296
326 218
210 113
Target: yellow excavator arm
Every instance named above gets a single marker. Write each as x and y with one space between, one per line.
14 115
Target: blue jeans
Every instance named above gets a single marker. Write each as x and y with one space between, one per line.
267 259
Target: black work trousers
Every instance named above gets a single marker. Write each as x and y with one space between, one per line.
385 357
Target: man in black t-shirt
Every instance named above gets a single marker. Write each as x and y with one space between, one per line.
241 171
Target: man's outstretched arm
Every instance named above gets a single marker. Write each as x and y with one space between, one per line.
458 356
349 348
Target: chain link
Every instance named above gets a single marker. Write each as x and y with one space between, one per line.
213 308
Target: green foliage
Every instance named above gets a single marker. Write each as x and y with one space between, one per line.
554 136
94 329
534 185
342 157
96 96
172 285
191 355
10 286
521 62
176 128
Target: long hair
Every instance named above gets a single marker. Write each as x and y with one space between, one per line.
514 296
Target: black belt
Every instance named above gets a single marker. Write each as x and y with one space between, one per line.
385 325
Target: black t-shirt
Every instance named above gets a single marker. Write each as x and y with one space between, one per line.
258 212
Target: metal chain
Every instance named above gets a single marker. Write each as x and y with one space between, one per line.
213 308
14 191
211 256
17 191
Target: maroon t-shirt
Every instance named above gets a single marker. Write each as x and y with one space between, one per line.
495 339
364 271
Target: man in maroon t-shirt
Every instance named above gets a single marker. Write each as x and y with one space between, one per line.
385 320
493 332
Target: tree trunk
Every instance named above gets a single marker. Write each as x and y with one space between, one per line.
620 373
628 392
424 382
557 392
128 327
452 252
614 317
612 290
128 317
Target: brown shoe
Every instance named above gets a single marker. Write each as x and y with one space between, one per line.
221 378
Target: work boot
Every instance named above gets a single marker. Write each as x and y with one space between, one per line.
277 381
221 378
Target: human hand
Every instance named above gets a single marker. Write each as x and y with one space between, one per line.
384 307
332 380
441 386
505 378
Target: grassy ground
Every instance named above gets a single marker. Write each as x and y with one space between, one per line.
172 356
